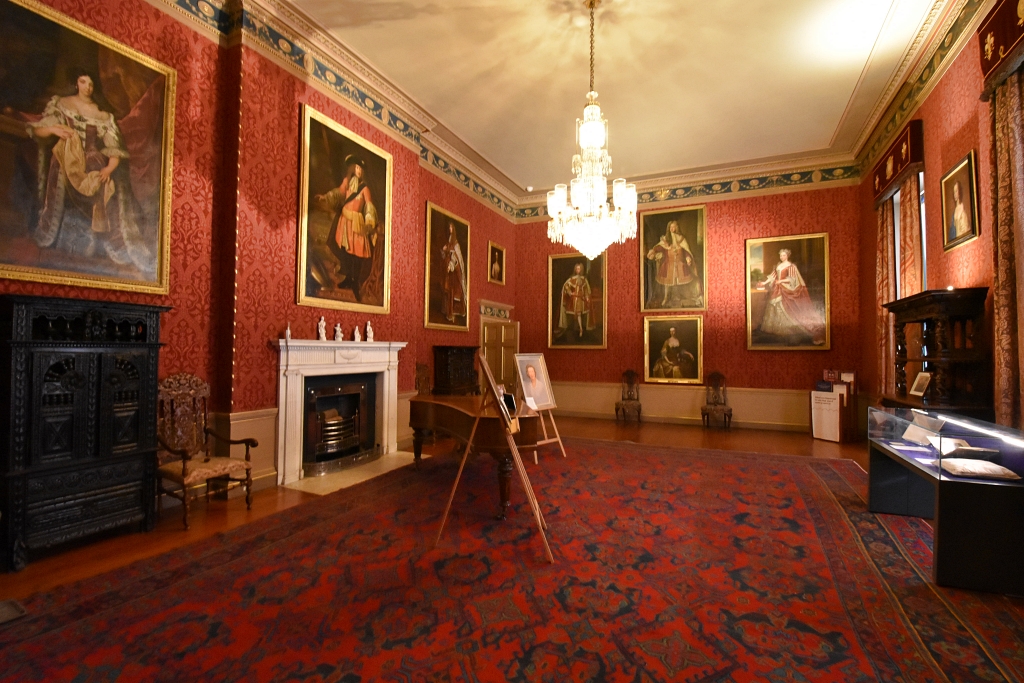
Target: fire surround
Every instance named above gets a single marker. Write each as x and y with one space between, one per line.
301 358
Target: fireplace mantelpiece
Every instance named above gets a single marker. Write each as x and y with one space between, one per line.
301 358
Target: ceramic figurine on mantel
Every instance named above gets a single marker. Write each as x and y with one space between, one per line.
288 331
369 331
355 334
338 336
321 329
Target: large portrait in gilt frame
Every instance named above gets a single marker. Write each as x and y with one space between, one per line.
344 219
674 349
787 293
446 303
577 301
673 259
960 204
86 137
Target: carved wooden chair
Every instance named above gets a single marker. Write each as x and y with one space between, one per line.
184 436
716 408
630 403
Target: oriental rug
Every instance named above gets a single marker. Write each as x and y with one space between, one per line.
671 565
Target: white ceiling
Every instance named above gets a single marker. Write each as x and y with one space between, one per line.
686 85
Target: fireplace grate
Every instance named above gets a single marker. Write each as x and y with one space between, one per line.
337 432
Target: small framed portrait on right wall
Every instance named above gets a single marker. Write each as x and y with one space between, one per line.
960 204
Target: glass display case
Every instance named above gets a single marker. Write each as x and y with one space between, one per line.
964 474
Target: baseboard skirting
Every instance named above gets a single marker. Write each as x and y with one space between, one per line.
691 421
771 409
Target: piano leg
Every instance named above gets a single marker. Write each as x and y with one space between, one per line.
505 467
418 436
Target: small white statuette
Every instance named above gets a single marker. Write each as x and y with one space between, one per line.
338 336
288 331
321 329
369 331
355 335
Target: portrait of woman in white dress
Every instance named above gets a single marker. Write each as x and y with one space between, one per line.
87 191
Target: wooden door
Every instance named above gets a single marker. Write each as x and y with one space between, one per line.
500 342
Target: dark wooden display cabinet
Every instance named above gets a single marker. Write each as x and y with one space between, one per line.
454 370
950 344
78 422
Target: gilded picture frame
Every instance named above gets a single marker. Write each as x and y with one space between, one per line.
86 156
674 349
536 388
577 301
344 240
960 223
446 304
673 259
788 305
495 263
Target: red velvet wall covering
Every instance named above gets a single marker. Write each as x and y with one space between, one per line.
267 237
730 223
955 122
199 146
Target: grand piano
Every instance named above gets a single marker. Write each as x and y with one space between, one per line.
455 415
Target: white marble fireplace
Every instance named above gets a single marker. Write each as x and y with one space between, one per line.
301 358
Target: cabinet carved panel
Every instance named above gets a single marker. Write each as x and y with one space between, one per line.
79 422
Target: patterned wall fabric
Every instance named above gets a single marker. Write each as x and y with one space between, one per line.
268 232
199 145
1008 198
910 237
955 122
885 271
729 223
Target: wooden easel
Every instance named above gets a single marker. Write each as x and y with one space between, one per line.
511 425
546 440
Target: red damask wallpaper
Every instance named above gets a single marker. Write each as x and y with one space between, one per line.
955 122
267 238
730 223
199 145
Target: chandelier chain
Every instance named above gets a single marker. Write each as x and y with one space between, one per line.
592 46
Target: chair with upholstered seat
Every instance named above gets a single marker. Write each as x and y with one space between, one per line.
716 409
630 402
184 435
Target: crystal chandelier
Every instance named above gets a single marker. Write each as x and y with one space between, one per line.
580 215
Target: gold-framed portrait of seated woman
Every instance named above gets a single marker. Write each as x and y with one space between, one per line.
86 143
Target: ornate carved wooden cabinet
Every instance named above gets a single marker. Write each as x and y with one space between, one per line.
454 370
951 344
78 422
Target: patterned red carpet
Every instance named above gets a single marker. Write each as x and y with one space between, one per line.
670 566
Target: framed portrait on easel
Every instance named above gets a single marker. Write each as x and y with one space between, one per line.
534 380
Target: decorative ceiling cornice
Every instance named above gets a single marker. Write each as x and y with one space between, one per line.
292 39
955 31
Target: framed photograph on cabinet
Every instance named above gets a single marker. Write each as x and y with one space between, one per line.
787 293
344 218
960 204
577 301
86 146
533 378
495 263
446 305
674 349
921 384
673 259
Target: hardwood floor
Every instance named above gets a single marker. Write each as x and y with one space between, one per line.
207 520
